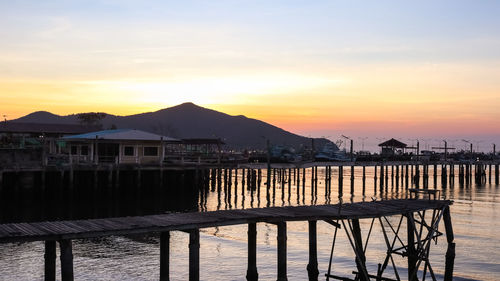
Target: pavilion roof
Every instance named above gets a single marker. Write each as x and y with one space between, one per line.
393 143
121 134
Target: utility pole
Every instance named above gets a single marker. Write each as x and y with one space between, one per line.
268 145
351 148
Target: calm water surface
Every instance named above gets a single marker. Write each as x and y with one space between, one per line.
224 249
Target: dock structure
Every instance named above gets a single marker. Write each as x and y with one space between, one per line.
421 231
412 173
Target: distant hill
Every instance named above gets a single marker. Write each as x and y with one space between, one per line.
188 120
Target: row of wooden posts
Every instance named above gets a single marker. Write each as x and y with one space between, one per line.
404 175
66 255
415 256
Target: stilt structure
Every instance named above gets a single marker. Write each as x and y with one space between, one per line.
422 230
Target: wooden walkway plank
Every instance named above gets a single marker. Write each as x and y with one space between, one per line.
56 230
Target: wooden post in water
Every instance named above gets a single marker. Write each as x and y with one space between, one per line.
381 177
434 175
358 244
312 180
298 178
411 174
341 180
412 252
312 266
364 179
252 274
489 173
386 175
450 253
274 178
452 174
71 177
165 256
417 175
66 260
282 276
110 180
406 176
496 174
392 175
352 179
194 255
397 177
243 178
304 178
50 261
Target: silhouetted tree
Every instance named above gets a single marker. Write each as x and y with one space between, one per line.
91 118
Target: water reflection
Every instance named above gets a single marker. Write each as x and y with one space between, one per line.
31 199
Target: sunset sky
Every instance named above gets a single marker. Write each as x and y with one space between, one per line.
408 69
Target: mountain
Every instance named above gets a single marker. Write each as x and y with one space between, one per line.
188 120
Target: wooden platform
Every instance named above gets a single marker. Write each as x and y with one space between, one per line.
59 230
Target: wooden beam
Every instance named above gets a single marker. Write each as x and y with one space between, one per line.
312 266
66 260
165 256
337 225
282 276
252 274
194 255
50 260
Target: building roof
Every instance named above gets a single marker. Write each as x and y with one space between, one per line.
393 143
43 128
121 134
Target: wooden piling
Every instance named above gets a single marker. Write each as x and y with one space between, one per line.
392 174
165 256
364 179
282 275
386 175
303 179
358 243
71 177
66 260
496 174
381 177
406 176
194 255
252 274
411 251
312 266
450 262
341 179
110 179
488 167
1 181
313 171
352 179
450 253
397 177
50 261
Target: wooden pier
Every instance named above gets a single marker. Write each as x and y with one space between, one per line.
420 234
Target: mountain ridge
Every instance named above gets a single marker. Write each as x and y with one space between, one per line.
188 120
